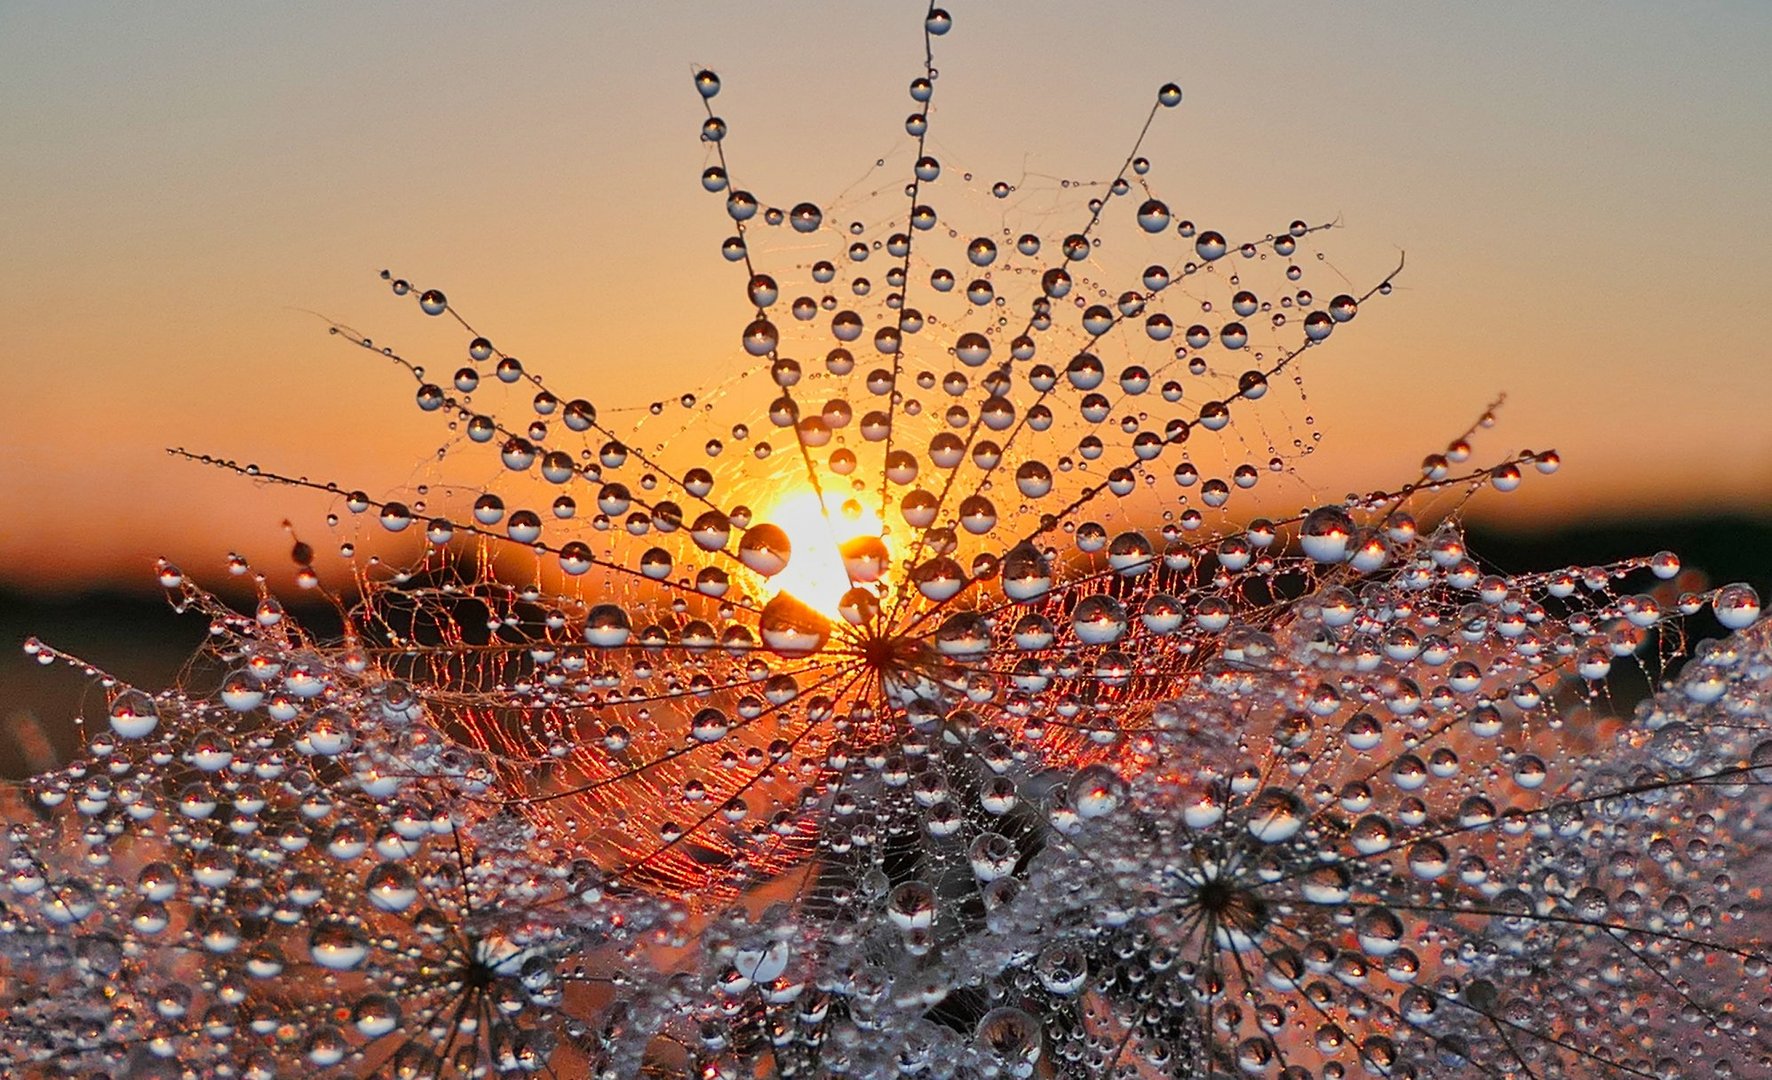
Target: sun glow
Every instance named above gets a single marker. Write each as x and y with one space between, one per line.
814 574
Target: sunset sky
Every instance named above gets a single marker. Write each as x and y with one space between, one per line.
1581 190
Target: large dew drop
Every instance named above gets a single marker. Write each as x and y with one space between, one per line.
134 715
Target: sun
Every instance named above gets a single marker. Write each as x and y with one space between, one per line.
814 574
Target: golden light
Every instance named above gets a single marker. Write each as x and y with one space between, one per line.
814 574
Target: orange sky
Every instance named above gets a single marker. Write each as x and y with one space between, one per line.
1582 202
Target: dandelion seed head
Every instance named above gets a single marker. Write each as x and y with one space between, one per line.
925 699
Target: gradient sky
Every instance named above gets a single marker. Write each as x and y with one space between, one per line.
1581 188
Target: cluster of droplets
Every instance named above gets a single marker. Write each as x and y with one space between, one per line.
1325 864
914 704
296 869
